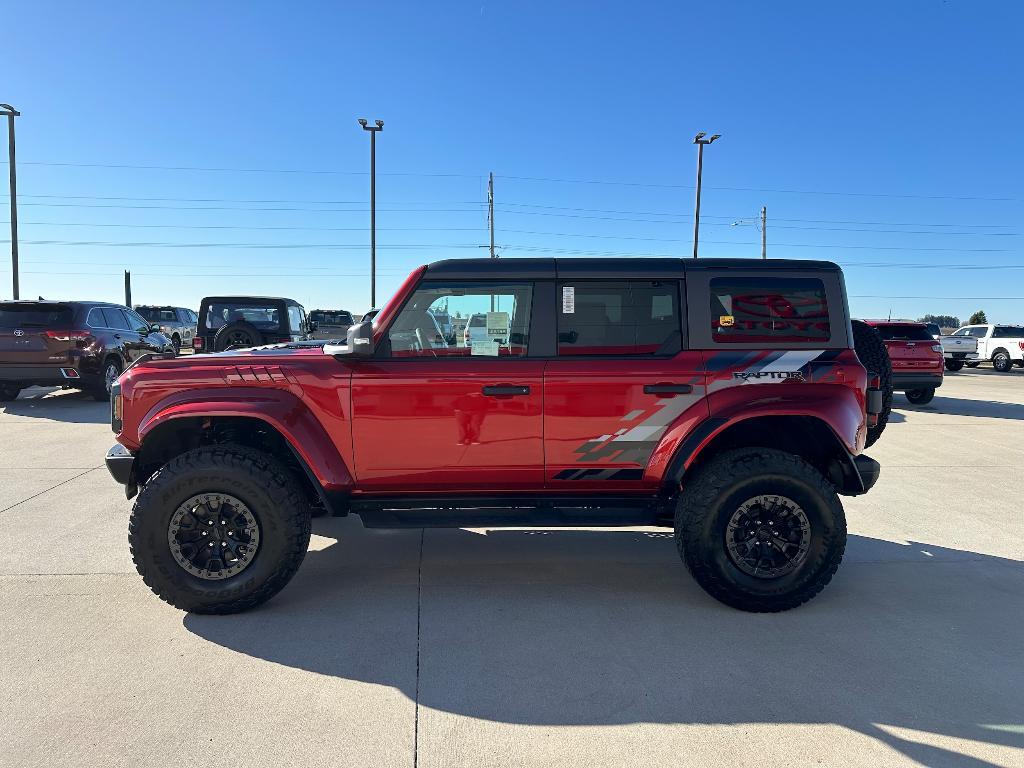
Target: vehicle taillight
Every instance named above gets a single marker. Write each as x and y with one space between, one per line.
68 335
197 342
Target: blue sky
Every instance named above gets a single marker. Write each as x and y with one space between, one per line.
884 136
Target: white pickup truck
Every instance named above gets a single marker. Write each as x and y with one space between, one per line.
1002 344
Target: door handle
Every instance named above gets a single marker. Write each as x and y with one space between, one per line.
504 390
667 390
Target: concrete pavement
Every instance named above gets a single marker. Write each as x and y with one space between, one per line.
495 648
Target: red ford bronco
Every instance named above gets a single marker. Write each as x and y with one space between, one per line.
721 397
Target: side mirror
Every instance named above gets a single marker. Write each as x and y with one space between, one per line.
360 340
313 325
154 329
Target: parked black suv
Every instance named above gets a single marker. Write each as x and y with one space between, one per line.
80 344
236 322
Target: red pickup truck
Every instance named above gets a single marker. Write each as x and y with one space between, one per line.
722 397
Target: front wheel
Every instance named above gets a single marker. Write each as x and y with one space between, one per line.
9 391
954 365
760 530
920 396
219 529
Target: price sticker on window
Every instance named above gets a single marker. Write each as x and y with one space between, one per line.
568 300
726 321
497 325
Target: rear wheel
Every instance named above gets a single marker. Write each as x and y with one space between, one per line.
920 396
1001 361
760 529
111 370
9 391
236 336
875 358
219 529
176 343
954 365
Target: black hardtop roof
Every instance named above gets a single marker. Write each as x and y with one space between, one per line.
663 267
242 298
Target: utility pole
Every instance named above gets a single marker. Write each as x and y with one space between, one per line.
11 113
128 289
490 209
373 129
700 141
764 232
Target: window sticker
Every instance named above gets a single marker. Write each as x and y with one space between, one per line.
568 300
726 321
497 325
486 348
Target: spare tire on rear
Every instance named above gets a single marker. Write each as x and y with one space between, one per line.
870 348
236 336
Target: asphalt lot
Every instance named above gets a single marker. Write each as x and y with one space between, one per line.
487 648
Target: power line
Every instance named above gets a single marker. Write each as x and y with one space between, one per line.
237 208
547 179
317 172
121 225
757 189
232 200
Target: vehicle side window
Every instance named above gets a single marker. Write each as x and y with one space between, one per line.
295 320
979 333
138 324
769 309
95 318
1007 332
619 317
114 318
497 321
962 332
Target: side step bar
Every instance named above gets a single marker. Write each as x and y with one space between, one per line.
506 511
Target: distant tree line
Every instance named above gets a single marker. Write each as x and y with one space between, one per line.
952 321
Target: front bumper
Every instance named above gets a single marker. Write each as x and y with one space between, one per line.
901 382
856 475
121 465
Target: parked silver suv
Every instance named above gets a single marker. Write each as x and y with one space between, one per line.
176 323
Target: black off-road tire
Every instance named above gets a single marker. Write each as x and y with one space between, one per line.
718 488
873 355
920 396
236 336
1001 361
953 365
264 485
176 343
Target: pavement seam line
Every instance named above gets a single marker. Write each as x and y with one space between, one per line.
47 490
419 603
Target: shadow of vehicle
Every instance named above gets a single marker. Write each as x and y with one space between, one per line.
959 406
68 405
574 627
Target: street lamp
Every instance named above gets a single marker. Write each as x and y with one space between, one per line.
373 129
11 113
700 141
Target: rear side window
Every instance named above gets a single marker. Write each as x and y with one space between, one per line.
34 315
904 333
628 317
768 309
295 319
114 318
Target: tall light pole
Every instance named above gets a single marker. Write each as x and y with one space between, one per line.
373 129
700 141
11 113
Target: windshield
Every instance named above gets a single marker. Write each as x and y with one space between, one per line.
904 333
264 317
158 314
34 314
